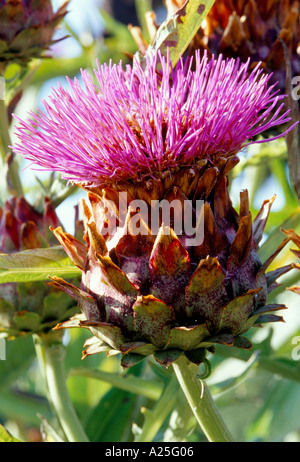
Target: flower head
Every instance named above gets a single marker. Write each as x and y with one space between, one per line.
132 124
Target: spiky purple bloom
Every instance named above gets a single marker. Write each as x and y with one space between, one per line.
136 124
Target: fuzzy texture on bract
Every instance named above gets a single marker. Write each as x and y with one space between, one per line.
131 124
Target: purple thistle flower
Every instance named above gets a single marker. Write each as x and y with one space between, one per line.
134 124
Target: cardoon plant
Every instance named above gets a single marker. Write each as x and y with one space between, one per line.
168 135
134 138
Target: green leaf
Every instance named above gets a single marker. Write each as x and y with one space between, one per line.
176 33
5 437
36 265
128 382
24 408
110 417
279 414
110 420
235 379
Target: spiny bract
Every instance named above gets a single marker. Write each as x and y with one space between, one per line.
145 294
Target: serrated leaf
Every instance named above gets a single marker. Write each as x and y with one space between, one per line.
176 33
36 265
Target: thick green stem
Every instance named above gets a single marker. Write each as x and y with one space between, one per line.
52 355
201 402
155 417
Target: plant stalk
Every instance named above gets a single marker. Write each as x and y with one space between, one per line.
148 388
13 181
201 402
155 418
51 354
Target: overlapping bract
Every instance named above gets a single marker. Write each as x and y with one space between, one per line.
30 306
145 294
27 28
132 124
